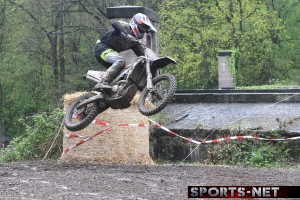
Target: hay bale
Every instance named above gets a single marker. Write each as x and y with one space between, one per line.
121 145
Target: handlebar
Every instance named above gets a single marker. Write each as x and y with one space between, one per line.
133 39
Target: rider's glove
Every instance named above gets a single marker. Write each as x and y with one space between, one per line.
130 38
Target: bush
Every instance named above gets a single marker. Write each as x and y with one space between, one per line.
251 153
40 132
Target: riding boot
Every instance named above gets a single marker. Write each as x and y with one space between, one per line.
111 73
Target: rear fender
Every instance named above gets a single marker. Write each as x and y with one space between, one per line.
94 76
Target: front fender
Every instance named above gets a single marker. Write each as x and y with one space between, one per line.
161 63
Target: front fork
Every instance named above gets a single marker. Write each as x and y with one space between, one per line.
149 76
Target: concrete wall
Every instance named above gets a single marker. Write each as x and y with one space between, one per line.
217 114
225 77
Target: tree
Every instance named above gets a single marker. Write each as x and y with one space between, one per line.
45 48
3 6
193 32
286 57
1 106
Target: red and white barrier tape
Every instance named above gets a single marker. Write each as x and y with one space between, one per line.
133 125
102 123
73 135
222 139
86 139
109 127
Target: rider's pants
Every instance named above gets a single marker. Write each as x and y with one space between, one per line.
110 59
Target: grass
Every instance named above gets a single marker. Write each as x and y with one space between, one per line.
279 85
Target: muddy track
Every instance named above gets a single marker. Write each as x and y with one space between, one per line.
49 180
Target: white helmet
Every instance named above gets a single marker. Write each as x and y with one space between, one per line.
141 24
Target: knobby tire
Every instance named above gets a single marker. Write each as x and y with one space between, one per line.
169 96
94 111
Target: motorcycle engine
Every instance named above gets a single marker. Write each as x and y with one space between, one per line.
115 88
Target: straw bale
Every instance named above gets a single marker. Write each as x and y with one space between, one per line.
69 98
121 145
135 100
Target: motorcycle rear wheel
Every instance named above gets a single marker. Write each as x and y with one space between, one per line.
78 118
164 87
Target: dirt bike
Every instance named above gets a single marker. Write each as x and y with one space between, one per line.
157 90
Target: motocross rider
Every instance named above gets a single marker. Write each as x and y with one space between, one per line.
122 37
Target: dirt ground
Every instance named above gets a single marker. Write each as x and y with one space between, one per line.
50 180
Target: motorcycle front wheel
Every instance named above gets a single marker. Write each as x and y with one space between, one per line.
152 102
78 118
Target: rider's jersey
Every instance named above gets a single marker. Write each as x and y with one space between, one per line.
113 39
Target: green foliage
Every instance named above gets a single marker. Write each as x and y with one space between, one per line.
251 153
162 118
265 33
286 53
45 48
186 38
39 135
193 31
26 63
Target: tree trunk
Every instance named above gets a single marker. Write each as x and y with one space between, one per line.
1 106
231 14
54 61
54 41
2 21
62 46
75 49
75 43
237 41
